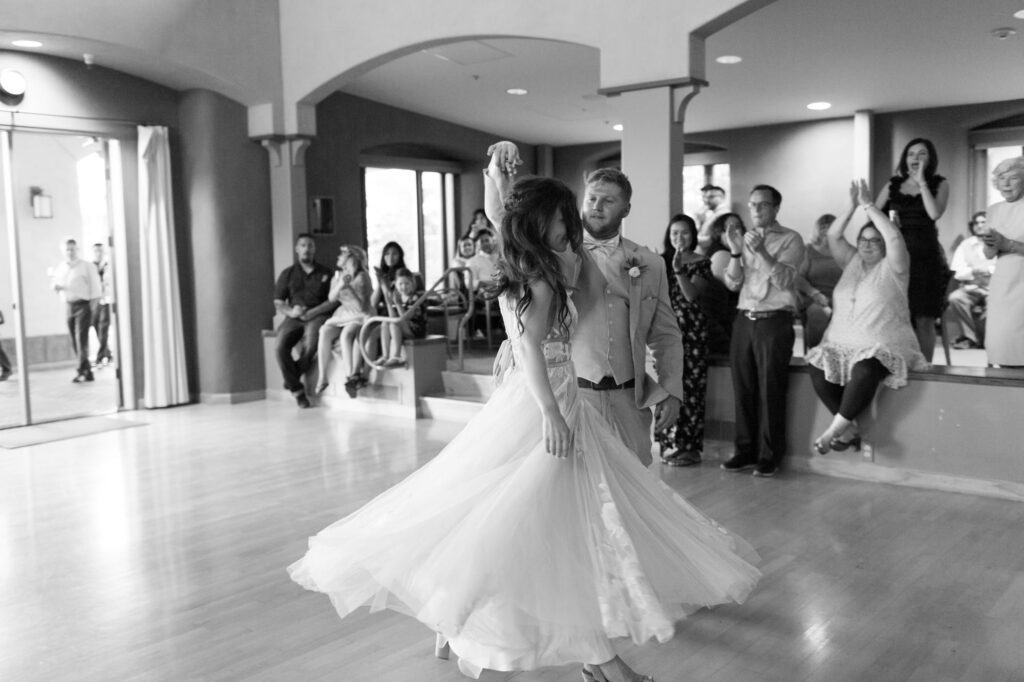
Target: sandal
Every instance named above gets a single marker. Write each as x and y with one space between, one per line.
840 445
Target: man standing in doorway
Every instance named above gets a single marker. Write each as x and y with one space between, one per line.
101 316
713 197
300 295
763 269
78 282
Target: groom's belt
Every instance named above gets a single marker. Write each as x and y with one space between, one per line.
765 314
605 384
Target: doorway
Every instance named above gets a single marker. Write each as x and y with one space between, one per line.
56 187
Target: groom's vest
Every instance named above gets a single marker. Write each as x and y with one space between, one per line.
601 344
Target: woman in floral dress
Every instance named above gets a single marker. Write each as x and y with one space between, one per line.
683 443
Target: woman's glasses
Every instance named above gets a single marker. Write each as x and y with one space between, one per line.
873 241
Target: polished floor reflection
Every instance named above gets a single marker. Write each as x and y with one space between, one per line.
54 396
159 553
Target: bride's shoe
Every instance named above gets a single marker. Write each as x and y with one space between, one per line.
441 648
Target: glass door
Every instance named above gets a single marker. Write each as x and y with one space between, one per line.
60 323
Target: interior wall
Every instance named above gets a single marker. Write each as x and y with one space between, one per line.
227 269
574 162
43 161
809 163
348 125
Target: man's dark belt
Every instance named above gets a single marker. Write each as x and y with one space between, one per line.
605 384
765 314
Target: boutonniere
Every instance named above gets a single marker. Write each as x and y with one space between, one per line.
634 268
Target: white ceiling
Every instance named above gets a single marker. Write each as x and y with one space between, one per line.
865 54
858 54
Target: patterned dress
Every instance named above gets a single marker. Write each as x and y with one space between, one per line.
687 435
870 321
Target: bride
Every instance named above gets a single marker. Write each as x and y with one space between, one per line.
536 536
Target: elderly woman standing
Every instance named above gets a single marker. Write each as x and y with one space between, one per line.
1004 335
870 340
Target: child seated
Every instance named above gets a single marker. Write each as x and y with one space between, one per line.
401 299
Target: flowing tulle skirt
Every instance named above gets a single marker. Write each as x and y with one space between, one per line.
522 560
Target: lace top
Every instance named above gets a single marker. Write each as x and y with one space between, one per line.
870 320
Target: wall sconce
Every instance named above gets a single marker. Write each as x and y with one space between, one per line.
42 204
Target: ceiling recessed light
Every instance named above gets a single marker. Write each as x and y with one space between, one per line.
517 91
617 127
1019 14
729 59
26 43
1003 32
819 106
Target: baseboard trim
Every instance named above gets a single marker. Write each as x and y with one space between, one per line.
232 398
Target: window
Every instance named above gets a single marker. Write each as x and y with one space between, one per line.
414 207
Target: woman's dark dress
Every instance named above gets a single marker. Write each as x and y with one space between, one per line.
929 271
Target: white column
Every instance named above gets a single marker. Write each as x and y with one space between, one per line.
288 194
863 137
652 157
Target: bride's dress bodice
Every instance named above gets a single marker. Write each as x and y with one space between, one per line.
556 347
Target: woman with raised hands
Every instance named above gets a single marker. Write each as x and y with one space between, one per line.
869 340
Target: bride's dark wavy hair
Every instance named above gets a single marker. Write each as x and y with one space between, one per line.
525 255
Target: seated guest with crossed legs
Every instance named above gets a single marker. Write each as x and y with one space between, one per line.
972 270
870 339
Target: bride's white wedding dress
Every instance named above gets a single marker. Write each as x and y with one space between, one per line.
522 560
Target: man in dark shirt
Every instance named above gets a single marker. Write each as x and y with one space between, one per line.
301 297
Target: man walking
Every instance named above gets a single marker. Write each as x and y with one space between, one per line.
77 281
101 315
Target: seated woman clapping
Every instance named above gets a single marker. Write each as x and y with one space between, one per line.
870 339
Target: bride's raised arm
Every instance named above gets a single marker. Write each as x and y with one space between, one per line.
498 178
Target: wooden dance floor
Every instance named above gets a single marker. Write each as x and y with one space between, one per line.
159 553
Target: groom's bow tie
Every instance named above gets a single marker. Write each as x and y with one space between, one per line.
605 247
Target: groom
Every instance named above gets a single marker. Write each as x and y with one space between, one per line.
623 305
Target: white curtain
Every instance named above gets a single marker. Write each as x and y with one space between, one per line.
164 372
